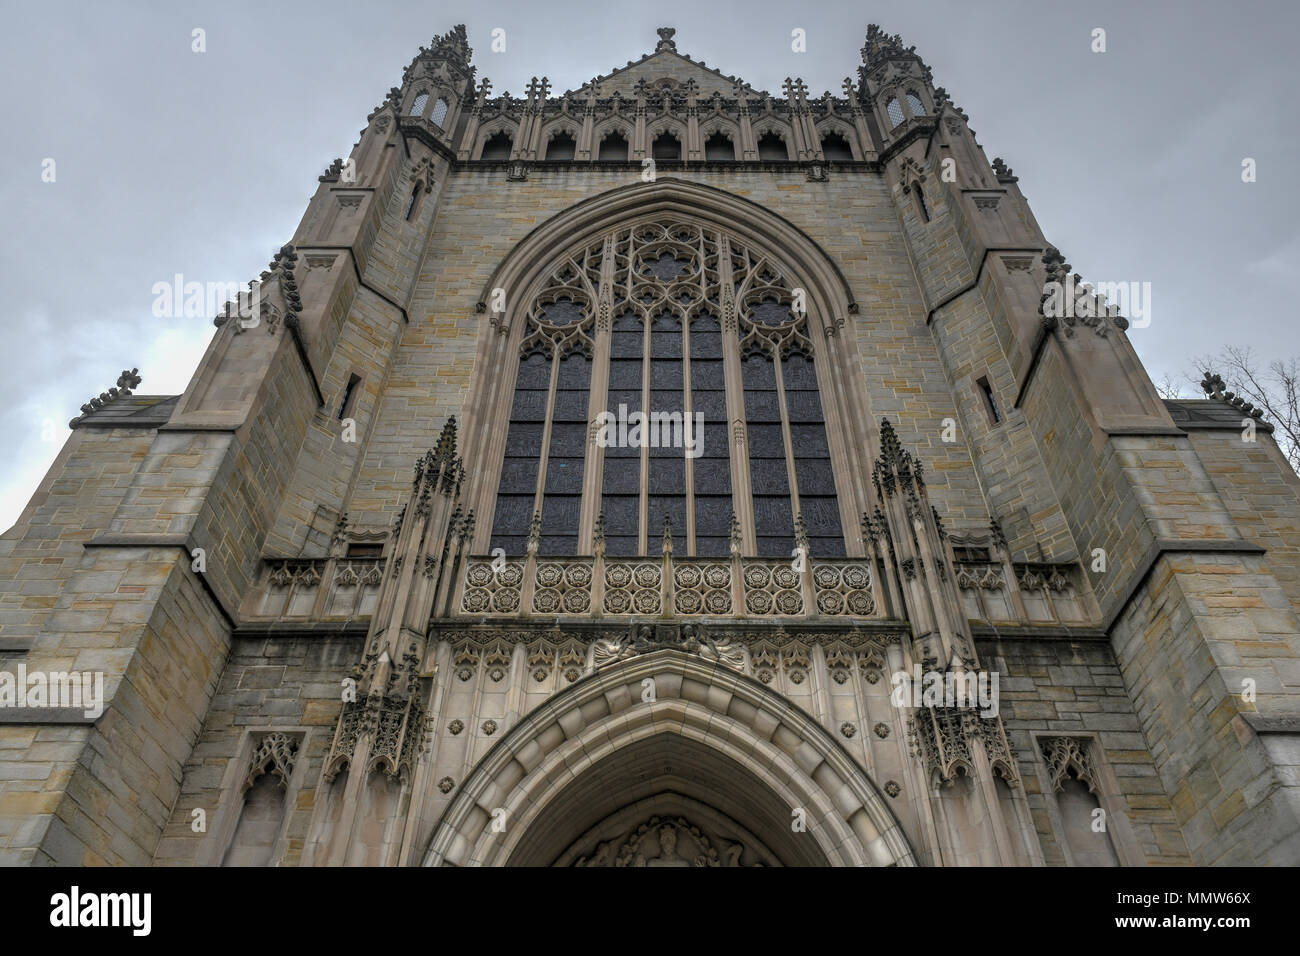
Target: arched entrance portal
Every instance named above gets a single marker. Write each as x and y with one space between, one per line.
668 759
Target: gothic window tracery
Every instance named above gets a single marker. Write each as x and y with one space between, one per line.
623 359
914 103
421 100
895 111
439 112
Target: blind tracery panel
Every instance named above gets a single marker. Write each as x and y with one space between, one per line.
660 311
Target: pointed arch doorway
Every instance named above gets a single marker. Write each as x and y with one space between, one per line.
668 759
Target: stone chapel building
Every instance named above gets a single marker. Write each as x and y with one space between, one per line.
386 586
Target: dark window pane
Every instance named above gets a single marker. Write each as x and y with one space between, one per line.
709 547
712 405
809 441
513 514
621 545
712 476
571 406
524 440
622 514
564 475
757 372
568 439
715 444
674 507
558 544
712 515
772 515
668 477
706 373
519 476
529 405
821 515
762 407
622 475
626 397
775 547
803 406
768 476
814 476
575 372
706 338
827 547
799 373
666 373
766 441
512 545
625 374
534 372
560 514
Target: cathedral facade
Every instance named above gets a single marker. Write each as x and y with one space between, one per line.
666 472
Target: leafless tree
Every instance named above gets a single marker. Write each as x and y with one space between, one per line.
1169 387
1274 389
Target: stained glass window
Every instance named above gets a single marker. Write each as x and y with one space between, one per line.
683 302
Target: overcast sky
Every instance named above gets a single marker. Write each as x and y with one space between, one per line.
169 161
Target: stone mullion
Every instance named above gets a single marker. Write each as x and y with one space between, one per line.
687 429
540 494
785 435
741 501
594 466
643 538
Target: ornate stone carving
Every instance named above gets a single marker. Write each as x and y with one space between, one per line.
1063 754
275 755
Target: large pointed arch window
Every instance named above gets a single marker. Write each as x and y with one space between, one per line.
667 388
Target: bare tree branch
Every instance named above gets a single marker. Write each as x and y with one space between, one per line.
1275 390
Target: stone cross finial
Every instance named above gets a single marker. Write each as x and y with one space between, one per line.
795 89
666 40
848 87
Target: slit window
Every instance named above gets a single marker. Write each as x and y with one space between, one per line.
922 207
990 400
349 397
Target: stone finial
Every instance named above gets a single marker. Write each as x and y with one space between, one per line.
666 42
1215 387
535 531
881 46
736 536
668 534
1001 169
128 380
800 532
332 172
453 45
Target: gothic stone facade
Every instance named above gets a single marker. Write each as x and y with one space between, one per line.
313 658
